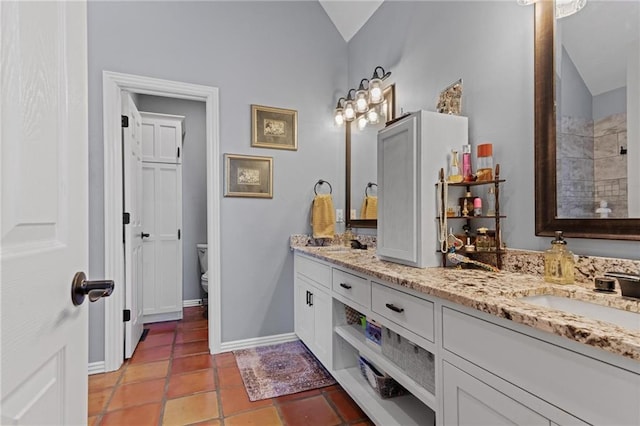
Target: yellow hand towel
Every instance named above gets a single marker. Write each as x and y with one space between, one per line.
323 217
369 208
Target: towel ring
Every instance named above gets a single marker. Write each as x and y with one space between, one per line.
320 182
369 185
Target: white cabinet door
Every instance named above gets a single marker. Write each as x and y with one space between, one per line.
303 311
322 329
162 137
162 249
132 168
44 212
468 401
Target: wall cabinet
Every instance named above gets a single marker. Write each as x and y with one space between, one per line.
410 153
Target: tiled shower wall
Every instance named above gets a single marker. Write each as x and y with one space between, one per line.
610 165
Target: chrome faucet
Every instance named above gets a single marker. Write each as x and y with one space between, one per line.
629 283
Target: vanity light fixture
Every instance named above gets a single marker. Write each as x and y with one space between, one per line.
363 105
563 7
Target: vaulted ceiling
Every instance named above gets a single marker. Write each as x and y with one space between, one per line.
350 15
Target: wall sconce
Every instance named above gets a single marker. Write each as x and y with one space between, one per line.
362 104
563 7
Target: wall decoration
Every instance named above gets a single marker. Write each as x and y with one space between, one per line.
274 128
450 101
248 176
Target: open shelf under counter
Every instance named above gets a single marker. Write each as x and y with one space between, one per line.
402 410
354 335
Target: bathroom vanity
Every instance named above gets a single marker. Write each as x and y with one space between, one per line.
495 358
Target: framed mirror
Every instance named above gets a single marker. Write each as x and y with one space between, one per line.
573 156
361 165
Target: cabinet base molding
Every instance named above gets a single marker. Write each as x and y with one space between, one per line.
96 367
258 341
191 303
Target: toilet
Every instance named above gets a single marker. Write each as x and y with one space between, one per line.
204 266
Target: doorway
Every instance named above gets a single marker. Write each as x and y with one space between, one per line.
113 85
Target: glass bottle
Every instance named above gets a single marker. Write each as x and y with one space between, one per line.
454 168
491 201
466 204
482 240
485 162
558 262
467 175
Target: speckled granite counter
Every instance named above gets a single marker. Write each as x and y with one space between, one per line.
497 294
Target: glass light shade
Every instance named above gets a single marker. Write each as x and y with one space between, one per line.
362 101
568 7
372 116
375 91
349 111
362 122
338 117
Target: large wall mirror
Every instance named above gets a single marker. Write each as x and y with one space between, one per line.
361 166
587 120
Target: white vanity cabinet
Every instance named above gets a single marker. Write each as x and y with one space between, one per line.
410 154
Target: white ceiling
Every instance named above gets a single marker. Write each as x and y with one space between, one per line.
349 15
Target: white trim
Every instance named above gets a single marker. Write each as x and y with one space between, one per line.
192 302
112 86
258 341
96 367
165 316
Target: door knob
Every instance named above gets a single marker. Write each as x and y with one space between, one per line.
145 235
80 287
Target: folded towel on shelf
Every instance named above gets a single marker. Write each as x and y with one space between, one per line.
323 217
369 208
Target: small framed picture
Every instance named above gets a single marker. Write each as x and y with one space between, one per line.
248 176
274 128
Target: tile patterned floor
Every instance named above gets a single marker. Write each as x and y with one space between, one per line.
172 380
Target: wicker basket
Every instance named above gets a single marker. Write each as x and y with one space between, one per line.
417 362
384 385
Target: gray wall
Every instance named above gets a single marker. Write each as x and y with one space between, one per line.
610 103
490 45
194 183
255 53
575 98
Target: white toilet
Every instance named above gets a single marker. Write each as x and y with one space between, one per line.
204 266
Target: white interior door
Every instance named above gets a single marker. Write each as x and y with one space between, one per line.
132 158
44 237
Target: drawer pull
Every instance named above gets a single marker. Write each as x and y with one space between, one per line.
347 286
394 308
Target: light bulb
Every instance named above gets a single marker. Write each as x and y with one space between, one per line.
375 91
362 122
362 101
349 112
373 116
338 117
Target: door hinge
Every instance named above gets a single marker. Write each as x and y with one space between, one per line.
126 218
178 152
179 234
126 315
125 121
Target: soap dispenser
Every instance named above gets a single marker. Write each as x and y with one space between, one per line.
558 262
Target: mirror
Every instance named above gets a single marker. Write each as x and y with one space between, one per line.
361 166
566 151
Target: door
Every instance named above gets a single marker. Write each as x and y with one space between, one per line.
303 311
132 167
44 210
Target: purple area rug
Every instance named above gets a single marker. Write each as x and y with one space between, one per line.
282 369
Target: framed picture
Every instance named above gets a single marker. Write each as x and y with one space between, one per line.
248 176
274 128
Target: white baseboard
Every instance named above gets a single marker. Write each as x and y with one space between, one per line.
166 316
258 341
96 367
190 303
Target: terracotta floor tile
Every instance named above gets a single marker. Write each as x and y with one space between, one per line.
98 400
191 409
160 327
138 393
229 377
225 359
157 353
262 417
140 415
315 410
145 371
235 400
189 383
154 340
212 422
191 363
191 348
91 421
291 397
103 380
184 336
347 408
191 325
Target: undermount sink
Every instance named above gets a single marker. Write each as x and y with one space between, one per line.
629 320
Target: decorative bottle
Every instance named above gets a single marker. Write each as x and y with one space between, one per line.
454 168
558 262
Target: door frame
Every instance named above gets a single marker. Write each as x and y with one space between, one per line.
112 85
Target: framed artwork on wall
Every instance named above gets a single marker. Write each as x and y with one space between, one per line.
274 128
248 176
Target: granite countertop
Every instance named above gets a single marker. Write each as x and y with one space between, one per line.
497 293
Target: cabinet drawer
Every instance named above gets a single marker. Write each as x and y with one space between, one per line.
315 271
352 287
408 311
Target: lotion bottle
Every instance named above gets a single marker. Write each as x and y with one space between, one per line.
558 262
